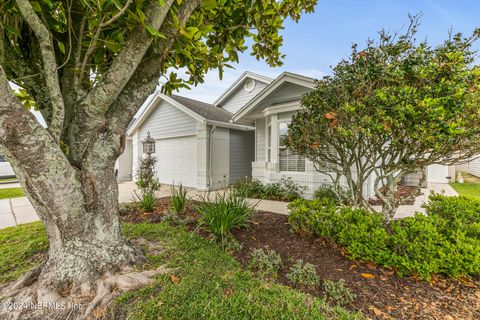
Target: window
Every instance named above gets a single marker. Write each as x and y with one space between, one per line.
2 159
289 160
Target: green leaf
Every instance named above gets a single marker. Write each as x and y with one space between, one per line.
209 4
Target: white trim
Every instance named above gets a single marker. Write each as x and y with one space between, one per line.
284 77
280 108
173 136
235 85
228 125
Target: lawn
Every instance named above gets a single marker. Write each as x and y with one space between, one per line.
207 283
8 193
8 180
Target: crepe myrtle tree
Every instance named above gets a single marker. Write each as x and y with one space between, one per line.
87 66
394 107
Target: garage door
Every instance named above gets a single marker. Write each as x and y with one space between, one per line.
177 160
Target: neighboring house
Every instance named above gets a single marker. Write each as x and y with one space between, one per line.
6 170
472 167
242 134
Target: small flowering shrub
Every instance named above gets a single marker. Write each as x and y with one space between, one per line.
337 293
284 190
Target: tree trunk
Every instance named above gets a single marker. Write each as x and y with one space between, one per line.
80 214
78 204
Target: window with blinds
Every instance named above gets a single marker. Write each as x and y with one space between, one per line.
288 160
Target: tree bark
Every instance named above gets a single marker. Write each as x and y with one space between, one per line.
78 205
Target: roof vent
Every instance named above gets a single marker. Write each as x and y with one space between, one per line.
249 85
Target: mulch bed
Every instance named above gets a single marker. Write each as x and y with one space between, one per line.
406 194
381 294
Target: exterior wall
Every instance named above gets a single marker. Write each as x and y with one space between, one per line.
240 97
136 154
472 167
124 163
242 154
166 121
268 172
220 157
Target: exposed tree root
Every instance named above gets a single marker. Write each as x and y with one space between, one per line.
32 298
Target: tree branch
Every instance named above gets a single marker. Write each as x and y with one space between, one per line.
49 64
104 94
146 77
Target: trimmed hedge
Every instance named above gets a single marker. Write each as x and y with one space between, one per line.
445 241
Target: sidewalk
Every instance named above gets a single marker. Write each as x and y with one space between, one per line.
19 210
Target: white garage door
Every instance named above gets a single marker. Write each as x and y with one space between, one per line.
177 161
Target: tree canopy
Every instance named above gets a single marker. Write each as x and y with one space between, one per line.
389 109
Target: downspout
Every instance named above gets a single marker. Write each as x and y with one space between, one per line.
210 151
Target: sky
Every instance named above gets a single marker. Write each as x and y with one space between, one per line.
320 40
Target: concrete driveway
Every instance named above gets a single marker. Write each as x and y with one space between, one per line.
19 210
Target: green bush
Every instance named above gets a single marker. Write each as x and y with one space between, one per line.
303 273
284 190
338 293
179 198
225 213
266 263
446 240
146 200
326 191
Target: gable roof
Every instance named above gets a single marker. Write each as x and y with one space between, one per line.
247 74
206 110
200 111
283 78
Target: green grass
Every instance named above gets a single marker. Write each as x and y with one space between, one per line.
467 189
212 284
19 249
8 179
8 193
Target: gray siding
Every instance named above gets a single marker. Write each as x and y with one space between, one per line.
260 139
285 93
413 179
472 167
240 97
167 121
242 153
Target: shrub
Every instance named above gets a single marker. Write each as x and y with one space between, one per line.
146 200
284 190
147 182
303 274
326 191
266 264
224 214
338 293
179 198
446 240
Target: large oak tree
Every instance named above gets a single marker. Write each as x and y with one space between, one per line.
87 66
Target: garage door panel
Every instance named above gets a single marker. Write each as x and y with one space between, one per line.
177 160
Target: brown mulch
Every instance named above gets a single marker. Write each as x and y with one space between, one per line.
380 293
406 194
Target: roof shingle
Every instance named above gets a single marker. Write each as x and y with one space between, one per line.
206 110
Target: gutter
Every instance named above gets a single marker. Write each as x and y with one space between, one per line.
228 125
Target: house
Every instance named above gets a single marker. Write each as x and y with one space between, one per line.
6 170
472 167
242 134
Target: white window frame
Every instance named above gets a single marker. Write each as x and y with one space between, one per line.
280 122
